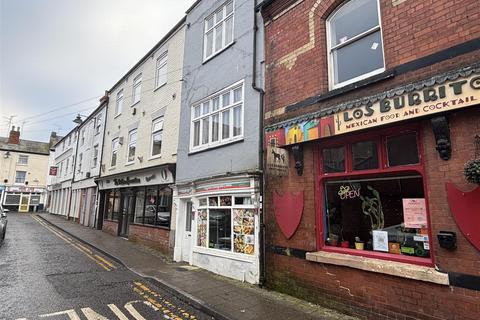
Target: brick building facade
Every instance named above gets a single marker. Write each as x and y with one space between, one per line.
388 133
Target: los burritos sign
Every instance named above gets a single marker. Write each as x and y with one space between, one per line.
451 95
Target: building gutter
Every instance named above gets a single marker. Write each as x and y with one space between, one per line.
261 280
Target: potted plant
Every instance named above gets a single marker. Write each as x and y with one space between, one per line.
358 243
332 240
471 171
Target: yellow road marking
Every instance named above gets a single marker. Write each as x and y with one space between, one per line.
102 262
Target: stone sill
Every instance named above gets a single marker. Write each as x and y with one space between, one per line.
393 268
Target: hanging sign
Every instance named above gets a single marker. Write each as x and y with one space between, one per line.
277 161
53 171
414 213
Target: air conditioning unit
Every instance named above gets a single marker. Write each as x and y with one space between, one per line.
87 174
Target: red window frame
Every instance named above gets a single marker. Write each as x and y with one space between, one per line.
380 136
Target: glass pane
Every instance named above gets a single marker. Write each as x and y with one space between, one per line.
402 150
202 228
209 22
219 15
229 7
358 58
131 153
188 217
243 201
196 112
139 204
205 133
213 201
157 125
209 44
220 229
226 124
156 143
352 19
116 206
237 121
225 201
196 133
114 159
151 206
237 94
215 127
216 103
228 30
202 202
226 99
376 213
364 155
163 208
244 231
218 37
334 159
205 107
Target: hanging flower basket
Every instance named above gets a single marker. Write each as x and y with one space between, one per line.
471 171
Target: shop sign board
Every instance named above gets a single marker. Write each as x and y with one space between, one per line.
153 177
430 100
277 161
53 170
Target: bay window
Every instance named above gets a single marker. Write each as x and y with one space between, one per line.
373 197
354 42
226 223
218 119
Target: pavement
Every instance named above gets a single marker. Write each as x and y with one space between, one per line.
220 297
46 273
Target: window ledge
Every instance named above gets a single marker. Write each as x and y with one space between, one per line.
135 103
117 115
155 157
224 254
393 268
129 163
160 86
205 60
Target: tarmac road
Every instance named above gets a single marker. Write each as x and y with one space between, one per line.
46 274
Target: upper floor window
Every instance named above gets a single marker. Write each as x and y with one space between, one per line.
113 161
161 70
218 120
20 176
119 104
82 139
22 159
354 42
69 140
218 30
98 123
137 88
67 166
63 146
157 134
79 167
132 145
95 156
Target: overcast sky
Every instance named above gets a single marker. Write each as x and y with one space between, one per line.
56 53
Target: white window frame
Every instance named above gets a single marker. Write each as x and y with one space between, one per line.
232 105
22 163
137 82
331 67
131 143
155 121
215 24
114 152
95 156
67 165
80 159
161 69
98 124
82 139
119 103
24 177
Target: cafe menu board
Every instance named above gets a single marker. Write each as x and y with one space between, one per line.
414 213
244 231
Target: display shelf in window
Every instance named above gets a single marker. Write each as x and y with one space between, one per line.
243 231
202 228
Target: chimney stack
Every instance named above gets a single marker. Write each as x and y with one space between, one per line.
53 139
14 137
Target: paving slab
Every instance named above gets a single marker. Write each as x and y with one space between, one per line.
223 298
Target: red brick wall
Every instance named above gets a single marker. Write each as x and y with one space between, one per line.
152 237
110 227
411 30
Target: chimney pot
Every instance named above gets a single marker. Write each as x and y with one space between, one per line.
14 137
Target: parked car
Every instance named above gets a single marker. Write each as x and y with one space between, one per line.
3 223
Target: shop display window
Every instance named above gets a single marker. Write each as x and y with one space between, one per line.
377 203
112 205
225 226
139 206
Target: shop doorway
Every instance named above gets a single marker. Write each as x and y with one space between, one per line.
128 201
91 219
187 231
24 203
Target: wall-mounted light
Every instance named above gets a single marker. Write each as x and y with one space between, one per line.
7 155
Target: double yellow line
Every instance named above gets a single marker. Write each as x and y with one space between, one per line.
161 303
99 260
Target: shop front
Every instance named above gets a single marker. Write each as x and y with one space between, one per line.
378 202
217 226
23 199
138 206
84 202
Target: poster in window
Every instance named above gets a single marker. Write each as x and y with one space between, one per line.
380 240
414 213
243 231
202 228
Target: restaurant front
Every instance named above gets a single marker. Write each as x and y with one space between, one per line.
138 206
378 203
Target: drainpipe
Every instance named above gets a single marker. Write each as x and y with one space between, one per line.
261 280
